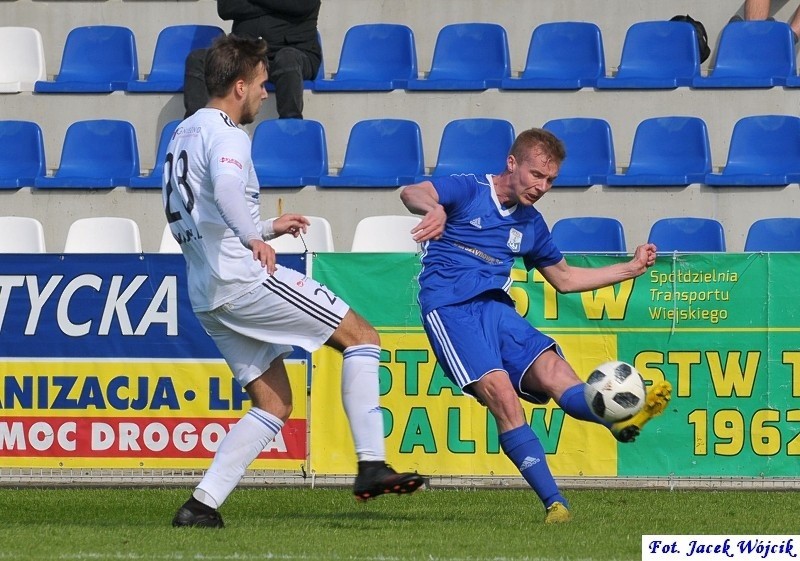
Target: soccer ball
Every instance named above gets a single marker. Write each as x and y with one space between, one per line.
615 391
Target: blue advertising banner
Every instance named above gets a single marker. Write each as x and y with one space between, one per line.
104 364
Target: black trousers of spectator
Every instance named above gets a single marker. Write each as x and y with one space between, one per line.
287 70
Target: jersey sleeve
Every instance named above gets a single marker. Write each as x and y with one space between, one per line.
230 155
454 191
544 252
229 167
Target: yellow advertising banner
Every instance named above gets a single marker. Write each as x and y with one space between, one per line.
433 428
133 414
103 364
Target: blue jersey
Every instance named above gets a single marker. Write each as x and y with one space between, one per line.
481 240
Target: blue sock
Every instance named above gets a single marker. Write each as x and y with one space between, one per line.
524 449
574 404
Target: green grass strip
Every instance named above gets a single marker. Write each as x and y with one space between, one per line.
315 524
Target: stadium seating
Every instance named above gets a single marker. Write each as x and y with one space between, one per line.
774 234
473 146
97 154
289 152
667 151
764 150
752 54
380 153
153 179
385 234
564 55
96 59
467 56
168 243
20 234
374 57
21 154
589 234
590 151
687 234
318 239
656 55
103 234
174 43
22 61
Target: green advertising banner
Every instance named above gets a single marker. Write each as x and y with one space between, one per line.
722 328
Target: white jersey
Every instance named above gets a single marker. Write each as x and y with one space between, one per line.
206 146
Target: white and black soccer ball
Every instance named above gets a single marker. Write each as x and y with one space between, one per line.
615 391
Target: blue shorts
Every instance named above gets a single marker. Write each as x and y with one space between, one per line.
484 334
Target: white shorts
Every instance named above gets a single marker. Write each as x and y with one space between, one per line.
259 326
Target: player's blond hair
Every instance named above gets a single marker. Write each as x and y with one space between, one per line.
550 145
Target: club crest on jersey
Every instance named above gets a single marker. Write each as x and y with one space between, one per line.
476 222
514 240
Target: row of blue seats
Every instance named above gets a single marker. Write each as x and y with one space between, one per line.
467 56
682 234
667 151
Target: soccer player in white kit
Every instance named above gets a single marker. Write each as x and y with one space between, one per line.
252 308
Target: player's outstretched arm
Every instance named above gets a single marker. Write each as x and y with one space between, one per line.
565 278
422 199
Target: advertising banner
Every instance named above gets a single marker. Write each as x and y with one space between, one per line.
103 364
723 328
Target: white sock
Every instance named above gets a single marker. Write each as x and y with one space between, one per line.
237 450
360 390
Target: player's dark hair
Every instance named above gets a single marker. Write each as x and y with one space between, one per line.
547 141
232 58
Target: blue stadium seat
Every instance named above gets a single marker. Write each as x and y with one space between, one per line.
96 59
154 178
687 234
21 154
752 54
380 153
589 234
174 43
656 55
764 151
590 151
467 56
375 57
774 234
667 151
473 146
565 55
96 154
289 152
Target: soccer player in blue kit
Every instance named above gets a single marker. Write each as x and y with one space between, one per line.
473 228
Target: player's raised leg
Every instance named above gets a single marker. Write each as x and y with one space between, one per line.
551 375
360 346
